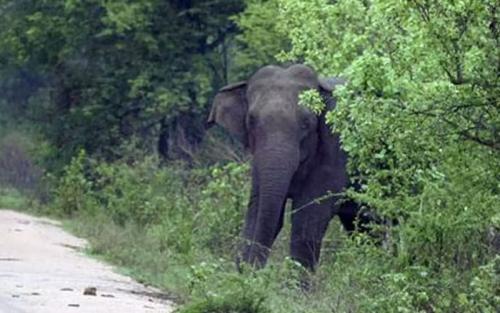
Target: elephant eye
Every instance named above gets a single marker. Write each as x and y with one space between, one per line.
251 120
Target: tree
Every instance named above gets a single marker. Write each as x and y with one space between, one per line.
261 40
118 70
419 117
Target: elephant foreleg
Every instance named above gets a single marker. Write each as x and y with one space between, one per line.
347 214
309 224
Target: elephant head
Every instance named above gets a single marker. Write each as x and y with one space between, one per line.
284 139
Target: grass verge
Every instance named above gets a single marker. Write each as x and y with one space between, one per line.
11 198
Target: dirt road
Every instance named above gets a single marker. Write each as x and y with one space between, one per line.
42 270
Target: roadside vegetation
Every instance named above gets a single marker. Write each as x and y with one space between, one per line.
102 110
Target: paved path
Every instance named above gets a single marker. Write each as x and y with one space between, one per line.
42 270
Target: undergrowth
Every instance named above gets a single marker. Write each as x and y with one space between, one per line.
177 228
12 199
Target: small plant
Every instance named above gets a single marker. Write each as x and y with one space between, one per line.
215 292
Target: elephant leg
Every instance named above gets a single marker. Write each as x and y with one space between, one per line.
352 217
309 224
347 213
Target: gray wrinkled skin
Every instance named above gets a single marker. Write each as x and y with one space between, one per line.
295 156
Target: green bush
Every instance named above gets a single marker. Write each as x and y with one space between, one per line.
136 193
184 215
222 207
215 292
12 199
21 173
73 193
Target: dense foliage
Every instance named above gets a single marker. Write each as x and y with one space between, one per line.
419 117
97 74
420 113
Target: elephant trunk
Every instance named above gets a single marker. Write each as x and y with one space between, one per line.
275 165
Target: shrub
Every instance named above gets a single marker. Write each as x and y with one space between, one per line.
222 207
181 208
12 199
136 192
74 189
231 293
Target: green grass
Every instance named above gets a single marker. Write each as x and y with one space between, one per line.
353 277
11 198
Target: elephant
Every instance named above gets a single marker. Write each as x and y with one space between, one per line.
295 156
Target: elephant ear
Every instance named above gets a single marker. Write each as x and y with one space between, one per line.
229 110
327 85
330 142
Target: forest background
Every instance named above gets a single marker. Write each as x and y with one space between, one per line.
102 111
